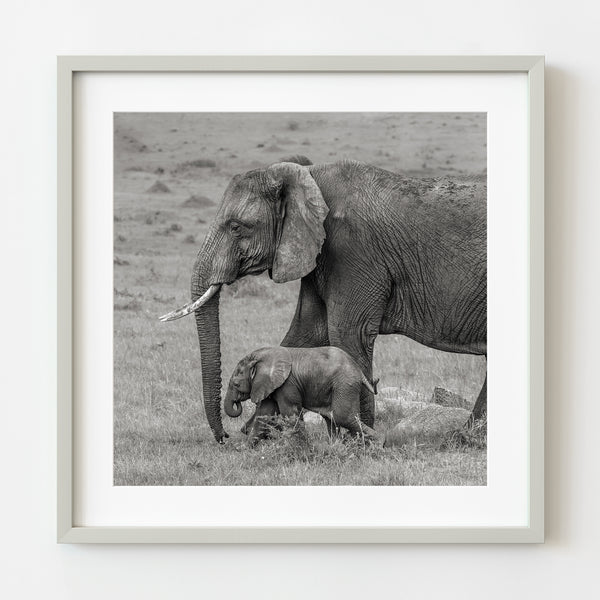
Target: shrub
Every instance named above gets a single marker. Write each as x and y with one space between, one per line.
195 201
132 304
472 435
158 188
201 163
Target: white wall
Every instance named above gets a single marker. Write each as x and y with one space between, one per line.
32 565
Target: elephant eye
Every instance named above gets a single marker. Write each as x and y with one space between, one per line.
238 228
235 228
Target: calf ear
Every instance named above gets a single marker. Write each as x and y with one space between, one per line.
273 366
303 211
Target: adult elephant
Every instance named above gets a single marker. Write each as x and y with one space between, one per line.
376 252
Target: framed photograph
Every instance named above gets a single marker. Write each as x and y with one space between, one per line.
300 299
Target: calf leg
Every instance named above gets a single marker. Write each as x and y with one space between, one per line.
368 434
332 428
261 421
293 413
345 405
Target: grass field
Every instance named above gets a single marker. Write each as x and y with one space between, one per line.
161 436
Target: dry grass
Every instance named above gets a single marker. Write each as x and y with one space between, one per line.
161 436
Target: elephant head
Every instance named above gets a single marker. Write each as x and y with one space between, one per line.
269 218
257 376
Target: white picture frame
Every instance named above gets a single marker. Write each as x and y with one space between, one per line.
68 68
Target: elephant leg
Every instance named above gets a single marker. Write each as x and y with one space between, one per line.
359 345
247 426
480 408
308 328
332 429
290 407
345 406
356 301
260 426
250 423
268 408
478 415
349 418
367 405
368 434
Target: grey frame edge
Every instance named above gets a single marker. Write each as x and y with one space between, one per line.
67 67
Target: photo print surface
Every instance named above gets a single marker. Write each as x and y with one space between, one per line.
300 299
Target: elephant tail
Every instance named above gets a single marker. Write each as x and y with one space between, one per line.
370 385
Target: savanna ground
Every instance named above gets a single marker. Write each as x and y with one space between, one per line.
161 436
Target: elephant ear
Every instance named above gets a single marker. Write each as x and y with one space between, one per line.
272 368
303 211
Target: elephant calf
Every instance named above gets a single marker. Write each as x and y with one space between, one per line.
324 380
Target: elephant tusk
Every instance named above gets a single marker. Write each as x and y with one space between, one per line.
191 306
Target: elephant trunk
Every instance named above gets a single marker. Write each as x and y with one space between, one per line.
207 323
214 267
232 406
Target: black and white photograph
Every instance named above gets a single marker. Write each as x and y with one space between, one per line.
300 299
